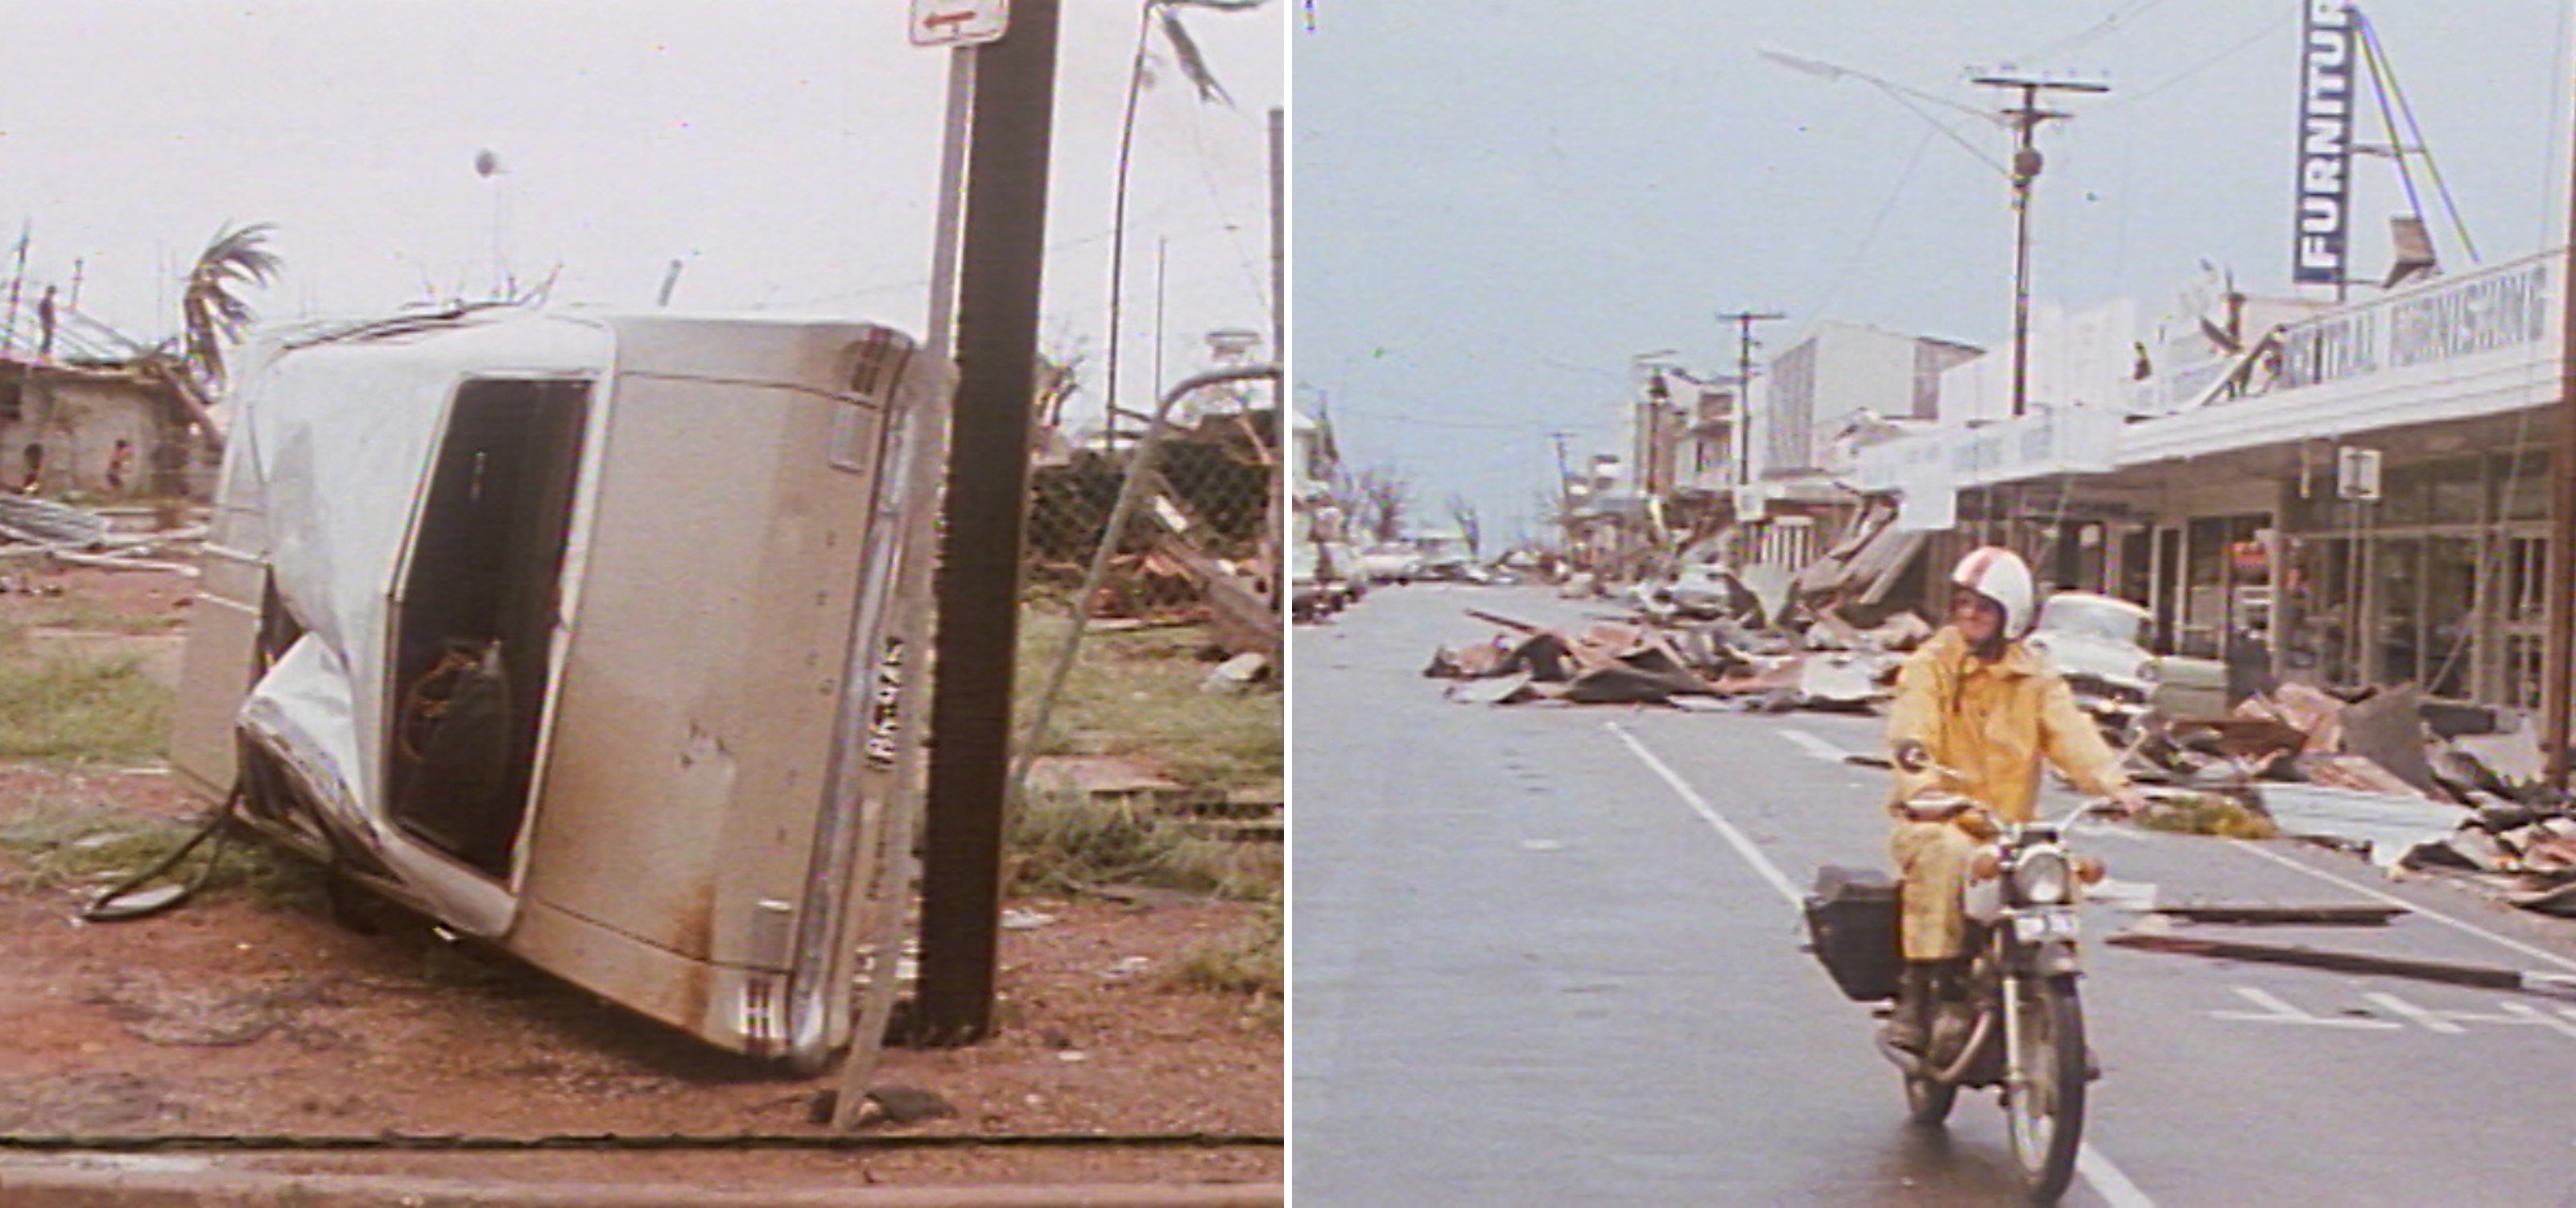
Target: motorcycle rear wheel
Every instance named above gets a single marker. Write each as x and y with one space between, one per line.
2044 1108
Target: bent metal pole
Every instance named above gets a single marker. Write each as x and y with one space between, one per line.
2562 552
2561 562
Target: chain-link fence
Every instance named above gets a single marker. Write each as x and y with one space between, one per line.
1180 524
1204 528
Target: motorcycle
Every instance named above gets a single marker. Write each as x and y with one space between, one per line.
2017 1021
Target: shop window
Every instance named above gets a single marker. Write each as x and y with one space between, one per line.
2523 662
2450 625
12 400
2317 511
2455 491
2523 486
2526 558
2404 496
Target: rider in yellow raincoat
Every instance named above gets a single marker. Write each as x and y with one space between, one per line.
1977 702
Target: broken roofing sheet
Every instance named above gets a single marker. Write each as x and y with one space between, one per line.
1692 665
2415 783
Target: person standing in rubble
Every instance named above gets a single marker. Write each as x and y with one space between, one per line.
120 462
1975 712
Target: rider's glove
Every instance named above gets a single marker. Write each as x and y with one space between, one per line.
1913 756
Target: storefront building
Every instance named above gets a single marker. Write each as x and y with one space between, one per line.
2365 497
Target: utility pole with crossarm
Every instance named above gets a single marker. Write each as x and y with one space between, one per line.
2026 163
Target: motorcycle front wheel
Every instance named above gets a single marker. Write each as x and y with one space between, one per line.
2044 1102
1928 1100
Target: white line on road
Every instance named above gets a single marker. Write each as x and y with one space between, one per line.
2411 907
2097 1170
2107 1179
2278 1010
1814 746
2430 1019
1743 847
2527 1013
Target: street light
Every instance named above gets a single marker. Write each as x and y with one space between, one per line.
2026 163
2023 170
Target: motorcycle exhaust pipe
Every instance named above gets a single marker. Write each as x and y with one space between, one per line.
1911 1065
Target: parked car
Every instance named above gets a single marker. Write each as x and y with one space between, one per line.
1307 599
1393 562
2100 644
1444 556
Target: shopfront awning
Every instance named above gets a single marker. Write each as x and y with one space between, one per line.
1866 562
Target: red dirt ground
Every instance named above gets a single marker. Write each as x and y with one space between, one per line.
228 1016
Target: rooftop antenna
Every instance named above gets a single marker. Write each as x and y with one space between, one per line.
487 164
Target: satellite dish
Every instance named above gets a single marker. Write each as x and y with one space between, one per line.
486 164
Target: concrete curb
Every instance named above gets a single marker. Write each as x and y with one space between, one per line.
167 1183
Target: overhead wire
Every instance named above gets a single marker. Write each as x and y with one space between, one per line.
2128 99
1843 277
2099 28
2415 131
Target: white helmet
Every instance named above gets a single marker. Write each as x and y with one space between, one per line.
1999 575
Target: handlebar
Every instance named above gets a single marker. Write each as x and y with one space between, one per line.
1912 757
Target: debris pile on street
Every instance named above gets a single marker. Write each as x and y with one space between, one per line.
34 527
2411 782
1689 651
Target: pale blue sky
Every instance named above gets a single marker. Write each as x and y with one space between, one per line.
787 150
1498 203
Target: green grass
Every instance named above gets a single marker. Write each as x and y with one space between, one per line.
1063 842
59 708
1137 693
57 844
1250 962
73 612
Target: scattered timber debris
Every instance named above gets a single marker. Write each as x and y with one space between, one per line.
2409 781
2554 985
2336 915
1715 653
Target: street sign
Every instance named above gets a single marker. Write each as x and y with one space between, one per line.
959 22
2357 473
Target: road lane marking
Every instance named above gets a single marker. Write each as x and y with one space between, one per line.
2097 1169
1813 745
2429 1018
2524 1012
2448 1023
2107 1179
2540 954
1735 838
2275 1010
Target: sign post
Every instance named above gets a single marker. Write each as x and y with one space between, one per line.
1002 246
959 23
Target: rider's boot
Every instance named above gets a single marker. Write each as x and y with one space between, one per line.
1905 1028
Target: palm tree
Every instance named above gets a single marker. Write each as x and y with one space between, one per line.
211 308
1185 50
212 314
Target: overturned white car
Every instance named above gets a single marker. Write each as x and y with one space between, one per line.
588 636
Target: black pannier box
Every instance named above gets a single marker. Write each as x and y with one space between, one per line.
1851 927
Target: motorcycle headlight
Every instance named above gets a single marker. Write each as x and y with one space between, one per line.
2042 878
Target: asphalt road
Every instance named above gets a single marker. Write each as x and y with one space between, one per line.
1549 955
